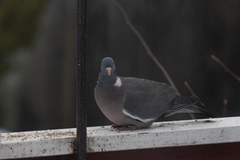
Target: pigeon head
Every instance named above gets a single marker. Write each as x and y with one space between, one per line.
107 76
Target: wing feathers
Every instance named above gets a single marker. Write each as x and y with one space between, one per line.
186 105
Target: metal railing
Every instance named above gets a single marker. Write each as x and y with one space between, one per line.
81 117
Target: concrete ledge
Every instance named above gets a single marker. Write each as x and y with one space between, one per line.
104 139
166 134
37 143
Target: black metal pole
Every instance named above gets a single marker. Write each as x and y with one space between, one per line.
81 116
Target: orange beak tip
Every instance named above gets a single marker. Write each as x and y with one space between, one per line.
109 73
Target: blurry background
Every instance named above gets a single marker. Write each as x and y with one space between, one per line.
38 50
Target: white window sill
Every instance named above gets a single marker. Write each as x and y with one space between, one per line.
160 134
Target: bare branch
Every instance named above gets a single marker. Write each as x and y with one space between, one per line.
225 67
145 45
190 89
225 102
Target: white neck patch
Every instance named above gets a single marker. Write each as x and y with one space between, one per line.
118 82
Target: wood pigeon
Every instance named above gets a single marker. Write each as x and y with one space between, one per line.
132 103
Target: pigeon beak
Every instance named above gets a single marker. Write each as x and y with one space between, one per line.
109 70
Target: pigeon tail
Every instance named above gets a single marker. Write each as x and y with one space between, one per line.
186 105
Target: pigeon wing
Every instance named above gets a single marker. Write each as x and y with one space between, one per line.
146 100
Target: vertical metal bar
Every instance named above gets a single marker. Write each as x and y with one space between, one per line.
81 117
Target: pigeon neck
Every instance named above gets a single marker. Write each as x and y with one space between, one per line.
107 81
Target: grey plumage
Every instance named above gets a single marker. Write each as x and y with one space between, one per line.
128 101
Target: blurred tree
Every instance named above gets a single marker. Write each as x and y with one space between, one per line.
18 23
